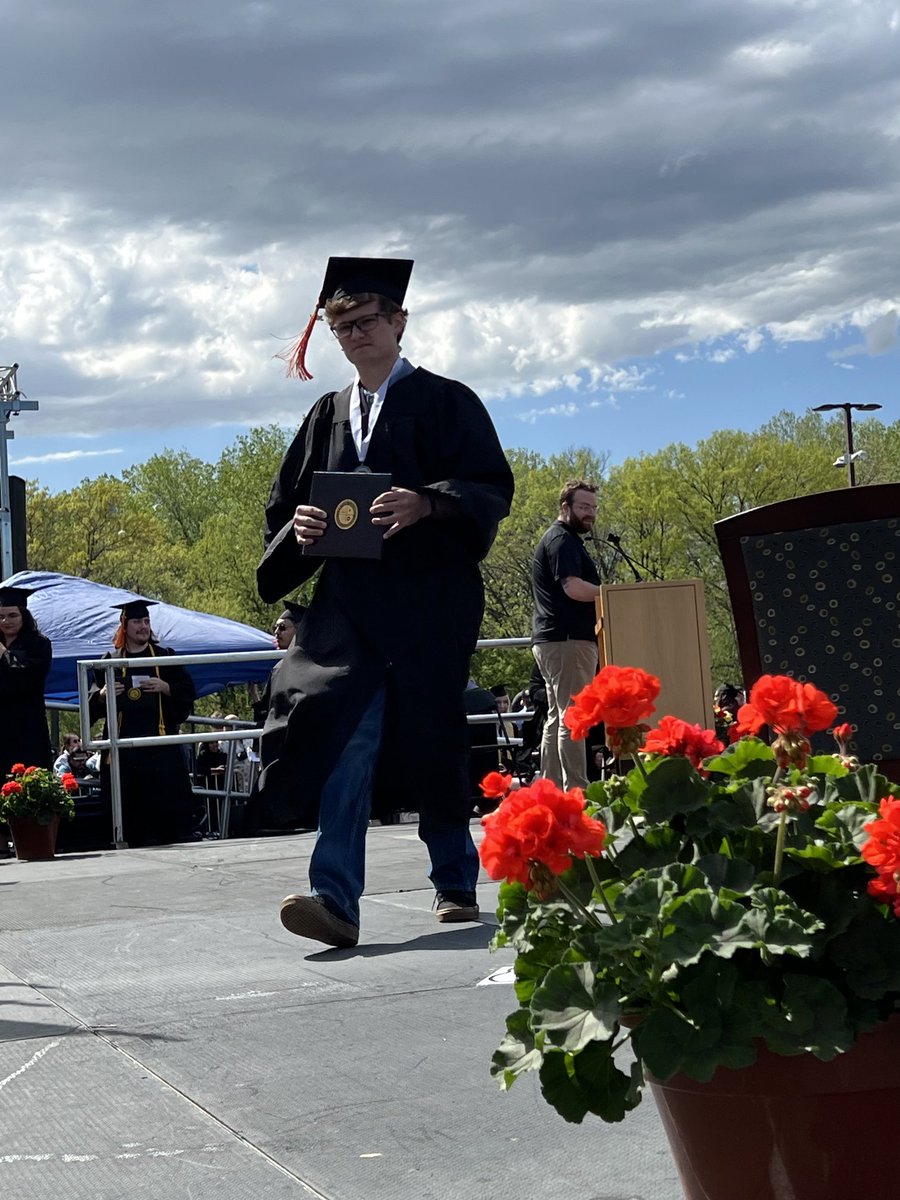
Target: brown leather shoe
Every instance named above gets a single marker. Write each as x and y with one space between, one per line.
456 906
308 916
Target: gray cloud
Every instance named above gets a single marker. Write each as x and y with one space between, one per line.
579 186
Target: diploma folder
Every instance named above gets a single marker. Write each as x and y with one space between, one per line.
346 497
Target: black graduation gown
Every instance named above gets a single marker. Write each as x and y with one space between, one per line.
157 799
24 737
408 621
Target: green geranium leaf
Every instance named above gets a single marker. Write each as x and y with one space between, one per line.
869 955
814 1019
844 824
825 764
661 1039
647 895
819 857
530 971
571 1009
716 1029
560 1089
728 809
517 1052
749 758
777 925
700 922
863 784
612 1093
588 1082
674 787
735 874
655 847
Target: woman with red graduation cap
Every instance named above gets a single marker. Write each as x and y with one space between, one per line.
25 656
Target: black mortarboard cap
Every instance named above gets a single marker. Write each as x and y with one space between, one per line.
133 610
292 612
388 277
15 597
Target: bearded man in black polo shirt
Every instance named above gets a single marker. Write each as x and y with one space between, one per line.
565 585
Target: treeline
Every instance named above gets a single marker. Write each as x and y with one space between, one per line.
189 532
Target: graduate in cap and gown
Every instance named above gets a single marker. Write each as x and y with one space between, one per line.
157 801
283 632
366 709
25 656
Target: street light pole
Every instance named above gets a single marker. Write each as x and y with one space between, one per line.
849 457
11 404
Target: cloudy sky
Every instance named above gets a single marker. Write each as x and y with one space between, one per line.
634 221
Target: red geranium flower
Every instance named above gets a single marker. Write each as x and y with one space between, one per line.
494 785
787 705
11 789
882 850
884 888
816 709
676 737
69 782
17 768
538 825
749 721
842 734
620 697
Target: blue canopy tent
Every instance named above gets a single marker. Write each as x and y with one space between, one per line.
79 618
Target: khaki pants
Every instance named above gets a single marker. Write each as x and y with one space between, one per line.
566 667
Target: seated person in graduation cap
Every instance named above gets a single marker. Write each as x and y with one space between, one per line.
151 700
367 707
284 631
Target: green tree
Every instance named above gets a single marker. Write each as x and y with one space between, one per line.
100 531
178 488
669 503
224 557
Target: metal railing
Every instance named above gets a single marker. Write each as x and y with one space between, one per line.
114 743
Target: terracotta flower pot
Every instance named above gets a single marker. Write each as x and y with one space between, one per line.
32 840
788 1128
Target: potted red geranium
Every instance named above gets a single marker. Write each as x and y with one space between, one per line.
721 924
32 802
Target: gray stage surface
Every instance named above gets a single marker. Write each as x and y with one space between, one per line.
162 1037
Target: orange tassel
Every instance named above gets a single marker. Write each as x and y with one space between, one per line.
295 355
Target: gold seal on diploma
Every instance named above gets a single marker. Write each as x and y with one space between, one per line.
346 513
134 693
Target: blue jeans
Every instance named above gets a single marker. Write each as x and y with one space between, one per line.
337 869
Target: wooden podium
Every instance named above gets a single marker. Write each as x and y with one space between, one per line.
660 626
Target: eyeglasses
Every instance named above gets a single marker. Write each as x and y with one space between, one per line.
361 325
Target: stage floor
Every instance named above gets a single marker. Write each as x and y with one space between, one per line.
162 1036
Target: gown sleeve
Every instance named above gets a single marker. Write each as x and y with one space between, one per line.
478 481
24 667
182 693
283 568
